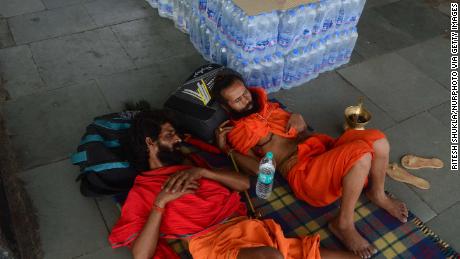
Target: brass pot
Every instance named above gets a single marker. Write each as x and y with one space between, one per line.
356 117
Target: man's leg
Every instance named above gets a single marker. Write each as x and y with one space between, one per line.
343 225
376 192
336 254
261 252
265 252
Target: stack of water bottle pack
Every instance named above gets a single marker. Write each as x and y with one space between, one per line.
277 49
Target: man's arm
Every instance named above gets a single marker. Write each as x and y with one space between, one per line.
246 163
231 179
297 122
146 243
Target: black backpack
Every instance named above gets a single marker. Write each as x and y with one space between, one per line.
192 106
101 156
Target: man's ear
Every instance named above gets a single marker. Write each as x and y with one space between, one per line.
149 142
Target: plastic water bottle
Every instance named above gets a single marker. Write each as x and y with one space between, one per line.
245 69
344 14
226 12
264 184
320 11
335 51
251 33
350 44
272 30
330 16
215 48
291 69
356 10
278 70
318 60
257 74
178 15
308 59
340 60
308 23
303 65
287 29
267 72
310 67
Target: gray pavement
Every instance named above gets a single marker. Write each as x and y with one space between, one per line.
66 61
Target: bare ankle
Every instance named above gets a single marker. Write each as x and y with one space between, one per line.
342 223
376 195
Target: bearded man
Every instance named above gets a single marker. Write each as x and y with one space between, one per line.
318 168
172 199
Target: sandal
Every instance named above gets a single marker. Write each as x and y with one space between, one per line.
416 162
399 174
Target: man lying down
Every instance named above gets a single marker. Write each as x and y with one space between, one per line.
173 199
318 168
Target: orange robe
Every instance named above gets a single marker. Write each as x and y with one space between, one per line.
226 240
322 161
212 219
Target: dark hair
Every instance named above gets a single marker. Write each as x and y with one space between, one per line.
224 79
145 124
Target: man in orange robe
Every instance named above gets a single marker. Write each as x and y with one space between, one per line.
319 169
170 200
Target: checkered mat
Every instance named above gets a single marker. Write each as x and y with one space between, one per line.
392 238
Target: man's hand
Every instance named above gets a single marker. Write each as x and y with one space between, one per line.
179 181
296 121
221 136
166 196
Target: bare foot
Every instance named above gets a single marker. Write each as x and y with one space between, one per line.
352 239
395 207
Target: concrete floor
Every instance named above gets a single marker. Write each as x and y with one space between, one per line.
67 61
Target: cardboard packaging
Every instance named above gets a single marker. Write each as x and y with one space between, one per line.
255 7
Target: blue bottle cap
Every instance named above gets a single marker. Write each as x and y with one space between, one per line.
269 155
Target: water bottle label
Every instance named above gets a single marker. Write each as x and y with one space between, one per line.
265 178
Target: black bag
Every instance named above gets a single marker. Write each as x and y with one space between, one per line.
192 106
102 158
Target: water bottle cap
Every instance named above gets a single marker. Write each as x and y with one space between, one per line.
269 155
256 60
295 52
291 12
279 54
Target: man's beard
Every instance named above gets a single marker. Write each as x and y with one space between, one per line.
170 157
255 108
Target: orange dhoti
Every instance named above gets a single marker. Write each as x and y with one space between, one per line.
322 162
318 179
227 240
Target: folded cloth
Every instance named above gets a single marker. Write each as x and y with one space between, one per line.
241 232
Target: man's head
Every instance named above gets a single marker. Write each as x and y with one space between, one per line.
231 92
153 134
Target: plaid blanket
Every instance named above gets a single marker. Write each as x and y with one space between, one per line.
392 238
